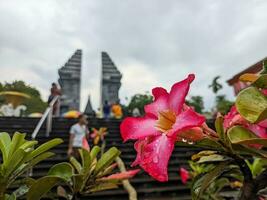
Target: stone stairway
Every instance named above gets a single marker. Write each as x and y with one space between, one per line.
146 187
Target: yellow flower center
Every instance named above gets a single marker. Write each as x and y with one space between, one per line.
165 121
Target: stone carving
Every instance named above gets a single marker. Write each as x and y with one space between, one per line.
9 111
111 80
70 82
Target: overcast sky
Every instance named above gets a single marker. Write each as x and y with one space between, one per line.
153 43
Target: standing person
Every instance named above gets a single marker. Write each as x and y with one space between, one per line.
54 91
78 133
106 110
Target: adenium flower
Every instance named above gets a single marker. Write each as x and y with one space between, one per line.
184 174
156 132
234 118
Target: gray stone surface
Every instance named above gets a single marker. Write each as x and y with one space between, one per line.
111 80
70 82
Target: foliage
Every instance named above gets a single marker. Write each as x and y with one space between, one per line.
34 104
18 156
222 104
81 178
230 177
215 85
196 102
139 101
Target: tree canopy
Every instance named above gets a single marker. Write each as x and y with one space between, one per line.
34 104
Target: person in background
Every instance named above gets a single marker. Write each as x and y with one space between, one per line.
78 133
106 110
54 91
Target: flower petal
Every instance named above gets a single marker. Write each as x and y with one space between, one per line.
184 174
138 128
186 120
178 93
263 123
159 91
156 157
258 130
139 146
192 134
160 103
121 176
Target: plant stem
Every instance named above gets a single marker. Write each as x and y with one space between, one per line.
126 184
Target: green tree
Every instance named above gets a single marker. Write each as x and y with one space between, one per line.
34 104
139 101
222 104
215 85
196 102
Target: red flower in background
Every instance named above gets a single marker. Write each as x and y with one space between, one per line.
234 118
184 174
156 132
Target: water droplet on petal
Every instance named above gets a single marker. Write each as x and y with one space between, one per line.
184 140
190 142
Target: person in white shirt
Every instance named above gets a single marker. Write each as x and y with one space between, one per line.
78 132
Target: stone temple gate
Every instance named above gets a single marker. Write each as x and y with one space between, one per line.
110 81
70 82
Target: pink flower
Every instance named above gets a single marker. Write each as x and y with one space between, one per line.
184 174
156 132
234 118
85 144
122 175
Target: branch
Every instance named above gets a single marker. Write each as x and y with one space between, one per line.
126 184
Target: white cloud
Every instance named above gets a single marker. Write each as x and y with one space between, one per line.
152 42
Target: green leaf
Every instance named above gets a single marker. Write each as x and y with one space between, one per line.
209 143
5 141
86 160
219 127
212 158
17 141
63 170
94 152
211 176
106 159
28 144
102 186
246 150
76 165
252 105
45 147
10 197
42 186
78 182
261 82
241 135
202 153
13 162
